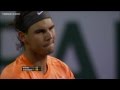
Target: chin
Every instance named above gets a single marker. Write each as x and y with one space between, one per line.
50 51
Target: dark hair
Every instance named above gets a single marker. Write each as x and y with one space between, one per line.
18 24
19 20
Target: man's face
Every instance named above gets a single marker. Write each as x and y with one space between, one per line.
40 37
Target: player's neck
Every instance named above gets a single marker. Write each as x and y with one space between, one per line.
35 59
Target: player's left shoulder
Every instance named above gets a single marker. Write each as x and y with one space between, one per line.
54 59
57 61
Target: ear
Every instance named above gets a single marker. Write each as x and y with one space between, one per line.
22 36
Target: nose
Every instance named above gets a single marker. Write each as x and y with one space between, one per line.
48 36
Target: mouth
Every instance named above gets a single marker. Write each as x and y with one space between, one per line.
48 44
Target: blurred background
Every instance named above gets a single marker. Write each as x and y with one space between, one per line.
87 41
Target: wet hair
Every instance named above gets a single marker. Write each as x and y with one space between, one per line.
25 19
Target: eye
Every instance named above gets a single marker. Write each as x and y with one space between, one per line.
40 31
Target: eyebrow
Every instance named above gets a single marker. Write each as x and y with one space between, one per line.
42 29
52 26
39 30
